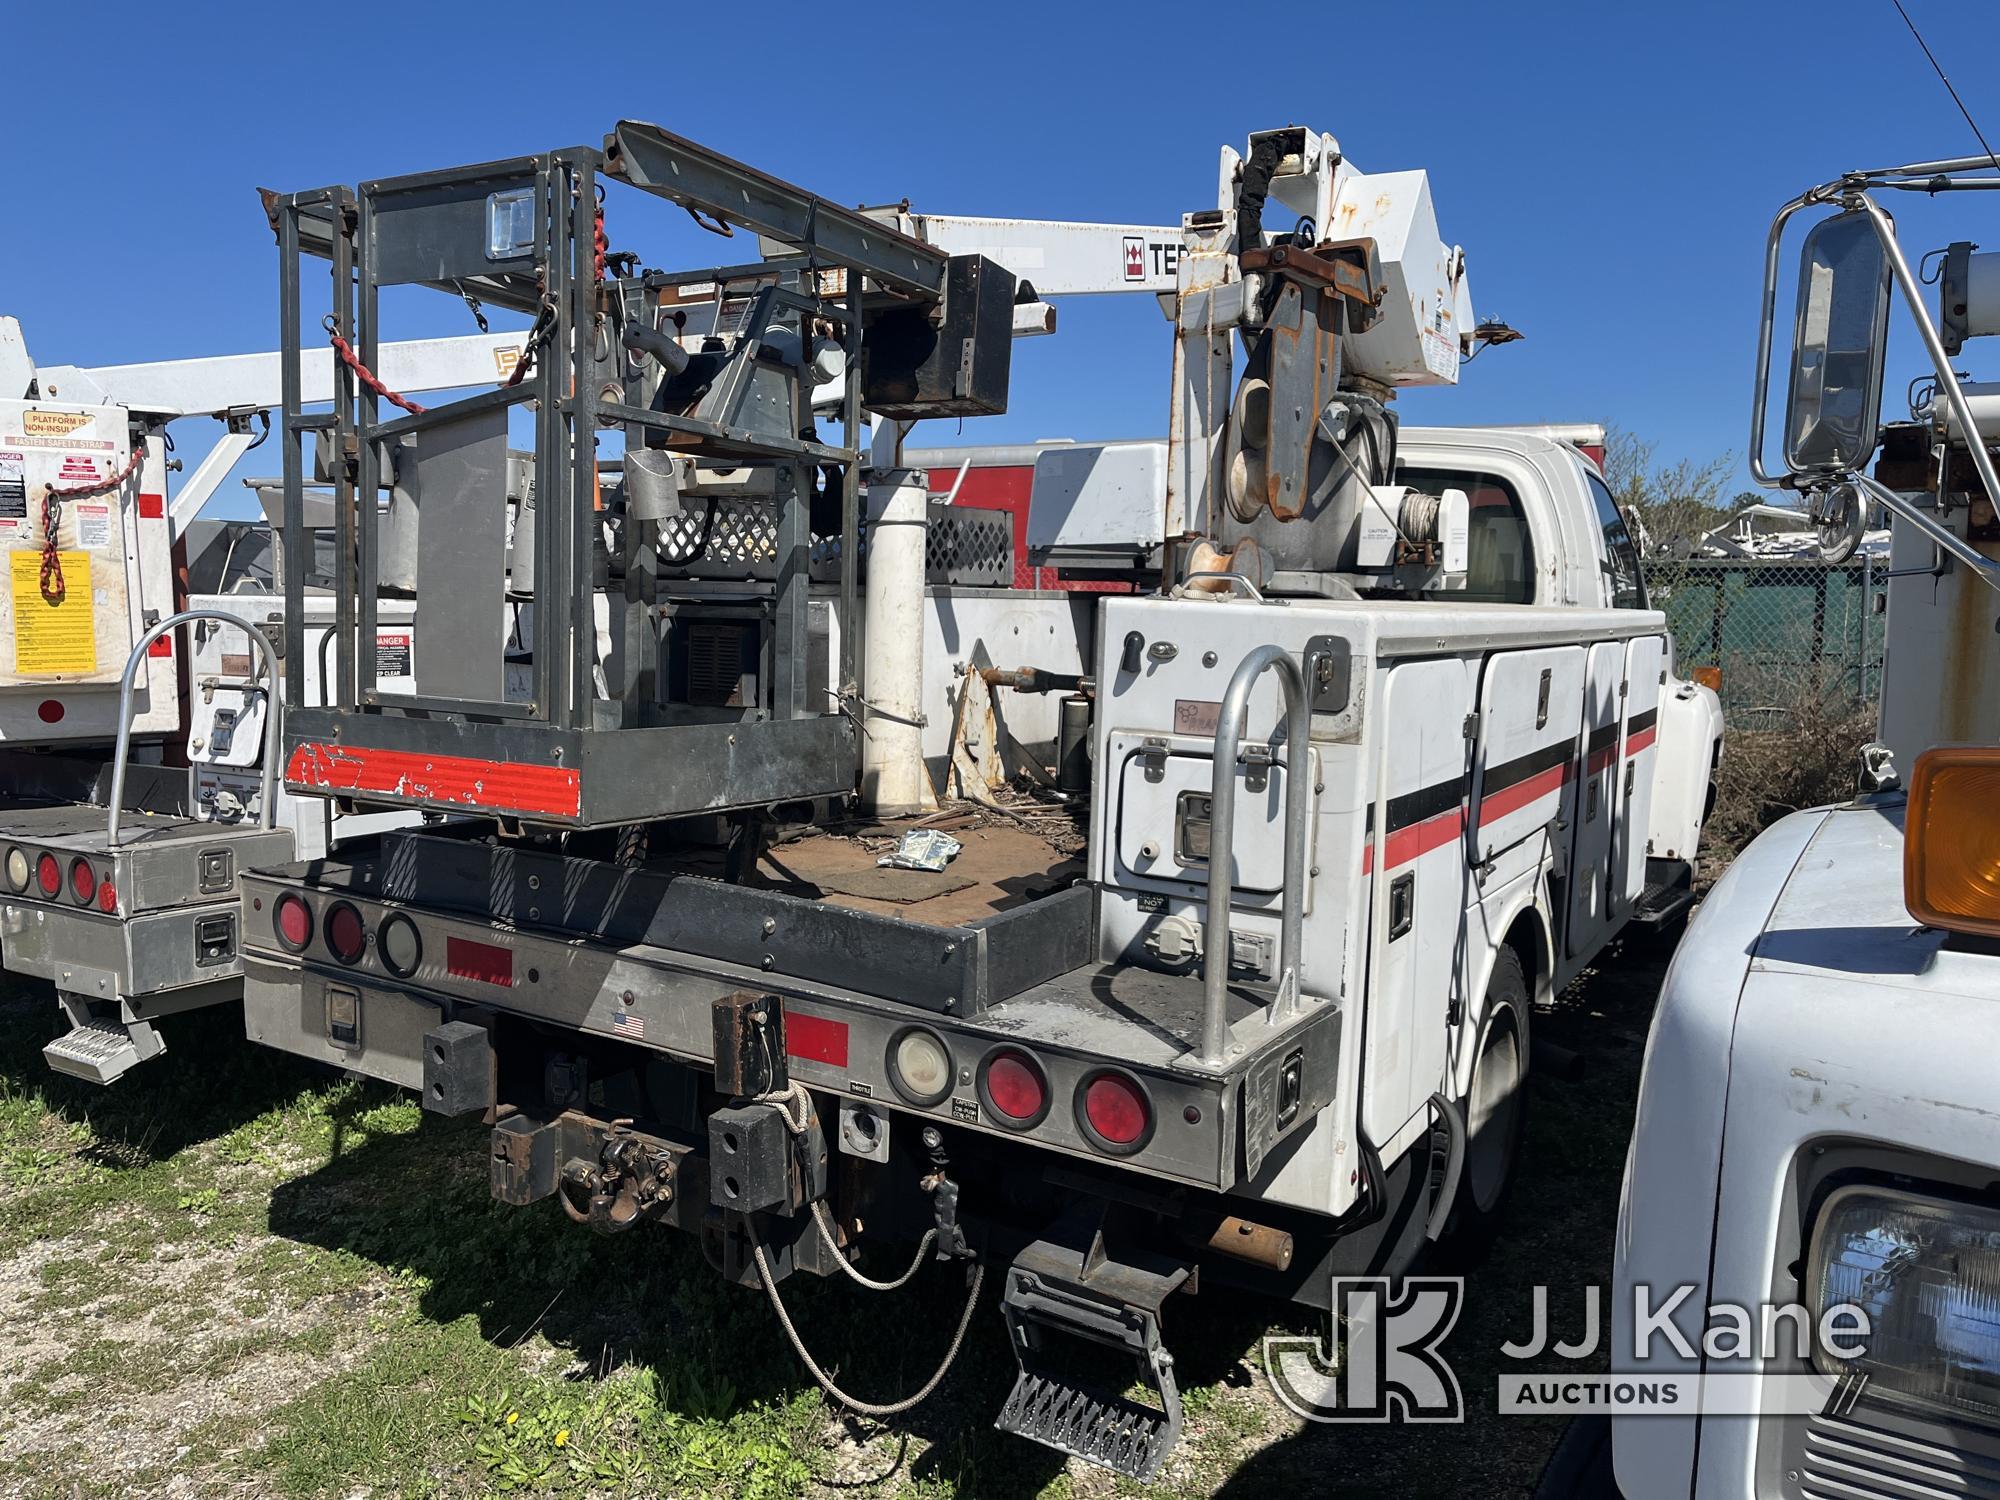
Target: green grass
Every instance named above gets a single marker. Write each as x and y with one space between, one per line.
228 1221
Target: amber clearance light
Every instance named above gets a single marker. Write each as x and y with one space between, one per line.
1951 840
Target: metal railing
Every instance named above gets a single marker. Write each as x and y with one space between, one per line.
267 675
1222 839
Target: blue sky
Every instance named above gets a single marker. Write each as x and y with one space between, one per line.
1609 168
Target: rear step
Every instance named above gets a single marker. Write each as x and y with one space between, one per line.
1055 1290
1669 891
100 1051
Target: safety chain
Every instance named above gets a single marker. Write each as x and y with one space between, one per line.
362 373
538 333
54 585
600 244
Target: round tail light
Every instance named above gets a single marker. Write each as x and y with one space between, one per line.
48 874
346 936
920 1065
293 921
1113 1112
399 945
107 897
19 871
1013 1088
82 882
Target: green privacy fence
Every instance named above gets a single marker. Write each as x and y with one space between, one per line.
1775 625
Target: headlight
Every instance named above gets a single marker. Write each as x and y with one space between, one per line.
1926 1272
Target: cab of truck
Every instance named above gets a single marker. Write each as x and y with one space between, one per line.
1818 1121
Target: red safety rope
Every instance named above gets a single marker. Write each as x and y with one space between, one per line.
362 373
54 585
600 242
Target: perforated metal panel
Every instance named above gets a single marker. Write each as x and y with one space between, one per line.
965 544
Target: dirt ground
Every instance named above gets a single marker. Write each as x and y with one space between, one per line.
234 1274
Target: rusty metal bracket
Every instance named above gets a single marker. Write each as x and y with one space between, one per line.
1353 268
749 1035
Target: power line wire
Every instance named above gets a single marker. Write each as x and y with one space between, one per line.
1932 58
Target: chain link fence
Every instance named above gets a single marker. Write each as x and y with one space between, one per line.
1775 627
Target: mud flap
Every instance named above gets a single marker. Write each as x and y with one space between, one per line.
1055 1296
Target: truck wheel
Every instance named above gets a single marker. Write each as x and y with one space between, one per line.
1496 1105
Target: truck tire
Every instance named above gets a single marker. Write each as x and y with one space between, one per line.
1496 1105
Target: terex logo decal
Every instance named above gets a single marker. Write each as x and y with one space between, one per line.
1135 257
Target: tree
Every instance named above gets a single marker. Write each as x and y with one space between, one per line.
1677 503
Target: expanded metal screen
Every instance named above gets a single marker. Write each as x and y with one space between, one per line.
968 545
1774 625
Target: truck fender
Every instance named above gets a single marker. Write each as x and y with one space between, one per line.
1684 769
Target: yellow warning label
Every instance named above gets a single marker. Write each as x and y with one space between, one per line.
59 637
53 423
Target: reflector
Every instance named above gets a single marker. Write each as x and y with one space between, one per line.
107 897
1951 840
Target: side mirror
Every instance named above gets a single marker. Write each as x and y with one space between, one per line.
1838 347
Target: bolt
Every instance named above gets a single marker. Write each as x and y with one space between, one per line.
932 1138
769 962
770 925
627 998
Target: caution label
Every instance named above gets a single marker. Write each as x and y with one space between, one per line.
13 488
53 639
392 653
93 525
46 424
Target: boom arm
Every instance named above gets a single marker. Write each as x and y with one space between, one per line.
233 385
1063 259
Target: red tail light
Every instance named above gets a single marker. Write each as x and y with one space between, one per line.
107 897
1114 1112
346 936
48 874
1014 1087
82 882
293 920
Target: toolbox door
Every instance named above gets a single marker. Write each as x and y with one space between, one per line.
1415 856
1530 718
1645 661
1599 806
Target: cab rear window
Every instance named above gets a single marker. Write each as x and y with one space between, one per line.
1500 554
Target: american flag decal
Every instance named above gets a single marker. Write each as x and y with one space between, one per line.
629 1025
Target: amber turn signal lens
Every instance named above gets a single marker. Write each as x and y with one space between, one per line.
1709 677
1951 840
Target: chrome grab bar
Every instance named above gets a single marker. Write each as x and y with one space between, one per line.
273 710
1221 841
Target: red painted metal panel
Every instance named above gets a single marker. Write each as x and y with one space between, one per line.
816 1038
488 963
445 781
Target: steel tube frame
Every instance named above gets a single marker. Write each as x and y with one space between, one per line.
1221 845
695 177
274 711
345 225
